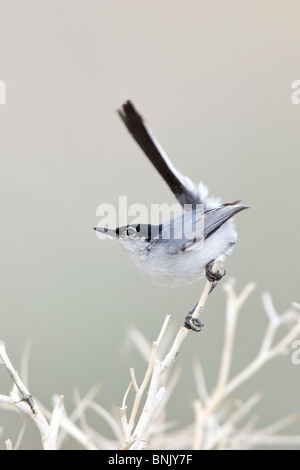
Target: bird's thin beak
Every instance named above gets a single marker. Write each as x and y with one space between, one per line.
106 232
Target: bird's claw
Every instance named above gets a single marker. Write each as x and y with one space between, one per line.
192 323
213 276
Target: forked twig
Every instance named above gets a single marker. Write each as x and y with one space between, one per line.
23 400
133 434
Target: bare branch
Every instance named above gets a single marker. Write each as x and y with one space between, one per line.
25 402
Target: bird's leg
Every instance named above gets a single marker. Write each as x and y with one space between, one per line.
191 322
214 284
214 277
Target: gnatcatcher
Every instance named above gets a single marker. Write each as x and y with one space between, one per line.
183 249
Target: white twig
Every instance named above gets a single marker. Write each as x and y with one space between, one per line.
210 414
21 433
8 444
221 420
23 400
56 417
135 435
72 430
234 305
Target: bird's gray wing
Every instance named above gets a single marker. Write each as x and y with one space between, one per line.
215 218
212 220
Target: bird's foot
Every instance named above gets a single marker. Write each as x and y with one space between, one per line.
213 276
192 323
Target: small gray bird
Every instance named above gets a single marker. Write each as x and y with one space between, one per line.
169 253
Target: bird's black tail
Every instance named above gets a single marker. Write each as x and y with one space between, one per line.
184 190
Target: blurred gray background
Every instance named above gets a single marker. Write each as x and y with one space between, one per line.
213 79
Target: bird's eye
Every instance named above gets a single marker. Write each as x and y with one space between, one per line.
130 231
